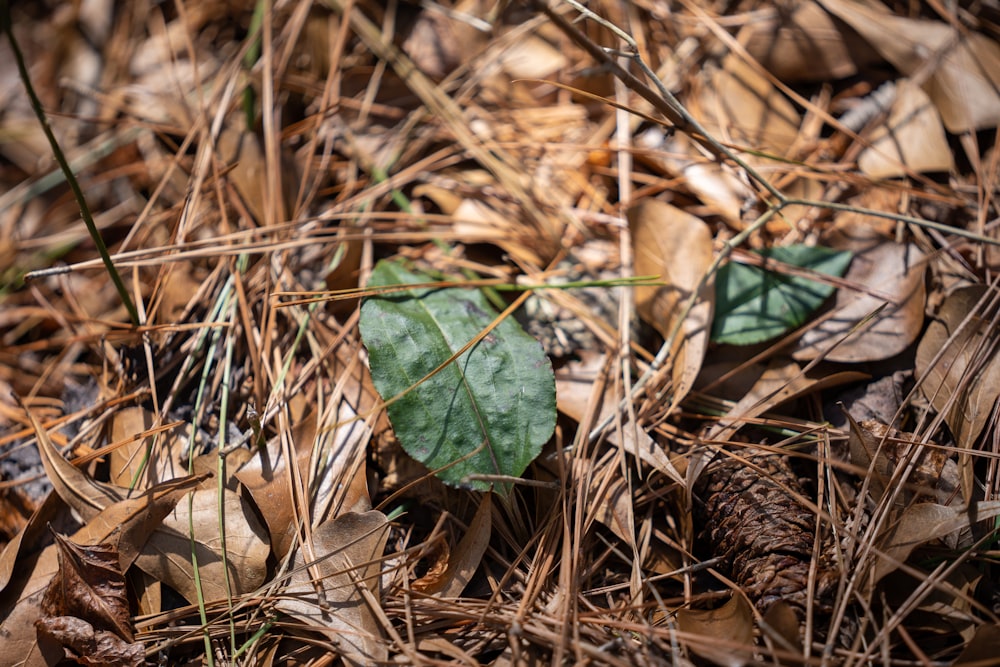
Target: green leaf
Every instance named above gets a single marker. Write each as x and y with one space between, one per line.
491 410
753 304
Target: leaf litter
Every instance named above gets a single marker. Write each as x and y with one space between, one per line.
232 462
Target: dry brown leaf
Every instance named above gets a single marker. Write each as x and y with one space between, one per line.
242 150
982 649
577 385
29 537
178 288
718 185
136 519
338 472
804 44
911 140
964 66
324 461
444 198
77 489
636 441
882 450
438 43
166 554
952 606
267 478
868 453
531 57
886 268
478 222
575 382
742 106
725 635
781 381
464 559
131 520
613 506
348 553
241 557
74 639
782 625
20 613
148 593
89 585
965 382
678 247
921 524
345 266
127 461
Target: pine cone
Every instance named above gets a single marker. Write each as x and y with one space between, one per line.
753 519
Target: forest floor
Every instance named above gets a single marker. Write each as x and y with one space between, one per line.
712 282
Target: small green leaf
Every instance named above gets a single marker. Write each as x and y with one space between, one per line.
491 410
753 304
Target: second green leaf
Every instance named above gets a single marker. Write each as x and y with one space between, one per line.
753 304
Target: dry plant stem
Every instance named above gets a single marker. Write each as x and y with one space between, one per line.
36 106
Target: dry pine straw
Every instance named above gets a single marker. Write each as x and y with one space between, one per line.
515 177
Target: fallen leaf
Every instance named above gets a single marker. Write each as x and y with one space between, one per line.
325 457
677 247
804 44
439 43
464 559
345 266
723 635
531 57
781 381
89 585
84 494
476 221
130 520
982 649
577 380
920 524
84 645
338 473
890 270
30 537
965 66
741 105
881 450
178 290
348 555
721 188
580 382
468 394
166 553
755 303
248 174
912 139
782 624
227 567
136 519
158 458
964 381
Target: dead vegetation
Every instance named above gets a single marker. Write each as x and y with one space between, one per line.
225 485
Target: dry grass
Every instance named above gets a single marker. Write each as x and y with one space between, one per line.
236 172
